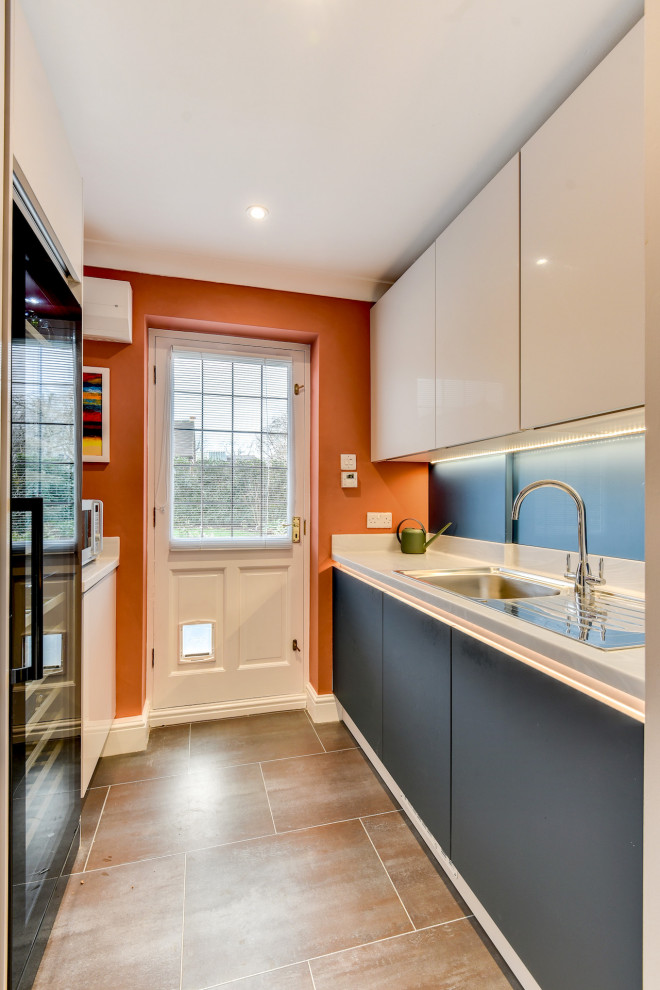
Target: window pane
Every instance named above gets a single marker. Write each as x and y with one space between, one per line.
217 446
247 414
187 409
247 498
217 500
276 380
187 373
275 415
247 378
217 375
187 503
186 445
217 412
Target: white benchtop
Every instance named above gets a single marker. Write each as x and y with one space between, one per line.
617 675
106 562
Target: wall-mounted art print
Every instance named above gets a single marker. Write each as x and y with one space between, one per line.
96 414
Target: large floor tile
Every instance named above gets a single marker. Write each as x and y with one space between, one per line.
320 789
334 736
289 978
451 957
166 754
231 741
118 928
175 814
428 898
255 906
90 815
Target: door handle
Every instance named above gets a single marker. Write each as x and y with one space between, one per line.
295 530
34 670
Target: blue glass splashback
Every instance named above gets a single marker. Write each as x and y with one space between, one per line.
473 494
609 474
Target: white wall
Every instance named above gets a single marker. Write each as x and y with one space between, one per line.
652 761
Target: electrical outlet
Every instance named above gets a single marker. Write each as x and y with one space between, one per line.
348 462
379 520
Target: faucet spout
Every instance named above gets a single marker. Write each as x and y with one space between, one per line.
583 578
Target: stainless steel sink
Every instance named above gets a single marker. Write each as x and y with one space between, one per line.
608 621
489 583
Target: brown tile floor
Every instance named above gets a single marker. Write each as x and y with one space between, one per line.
261 853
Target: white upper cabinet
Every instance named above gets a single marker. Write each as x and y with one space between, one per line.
43 160
403 364
477 316
582 248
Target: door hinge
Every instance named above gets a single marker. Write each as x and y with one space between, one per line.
295 647
154 374
304 527
153 658
154 515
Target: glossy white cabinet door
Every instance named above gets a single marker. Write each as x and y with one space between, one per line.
41 150
98 670
403 364
477 316
582 248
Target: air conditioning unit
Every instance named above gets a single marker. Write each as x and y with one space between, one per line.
107 310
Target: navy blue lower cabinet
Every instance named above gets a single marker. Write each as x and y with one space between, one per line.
357 631
547 819
417 711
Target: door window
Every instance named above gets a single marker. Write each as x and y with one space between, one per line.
230 450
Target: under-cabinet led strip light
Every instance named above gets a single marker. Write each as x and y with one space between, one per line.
557 442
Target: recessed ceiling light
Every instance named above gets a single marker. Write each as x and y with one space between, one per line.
257 212
542 261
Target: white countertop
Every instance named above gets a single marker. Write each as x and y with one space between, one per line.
616 674
106 562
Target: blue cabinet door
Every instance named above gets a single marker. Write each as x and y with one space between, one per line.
357 624
417 711
547 819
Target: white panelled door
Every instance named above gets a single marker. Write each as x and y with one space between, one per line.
229 478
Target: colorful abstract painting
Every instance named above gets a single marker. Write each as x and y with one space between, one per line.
96 418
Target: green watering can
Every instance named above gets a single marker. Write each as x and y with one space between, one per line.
414 540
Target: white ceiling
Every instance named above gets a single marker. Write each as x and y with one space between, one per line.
365 126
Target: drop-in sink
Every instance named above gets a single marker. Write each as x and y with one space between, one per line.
606 620
488 583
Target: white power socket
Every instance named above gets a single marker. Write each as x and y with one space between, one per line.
379 520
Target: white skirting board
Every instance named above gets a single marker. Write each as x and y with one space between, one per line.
322 707
128 735
479 911
226 709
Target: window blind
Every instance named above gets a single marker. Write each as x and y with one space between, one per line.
230 450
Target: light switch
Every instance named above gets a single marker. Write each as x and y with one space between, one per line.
349 479
348 462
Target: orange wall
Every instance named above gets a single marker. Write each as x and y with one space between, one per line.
338 332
